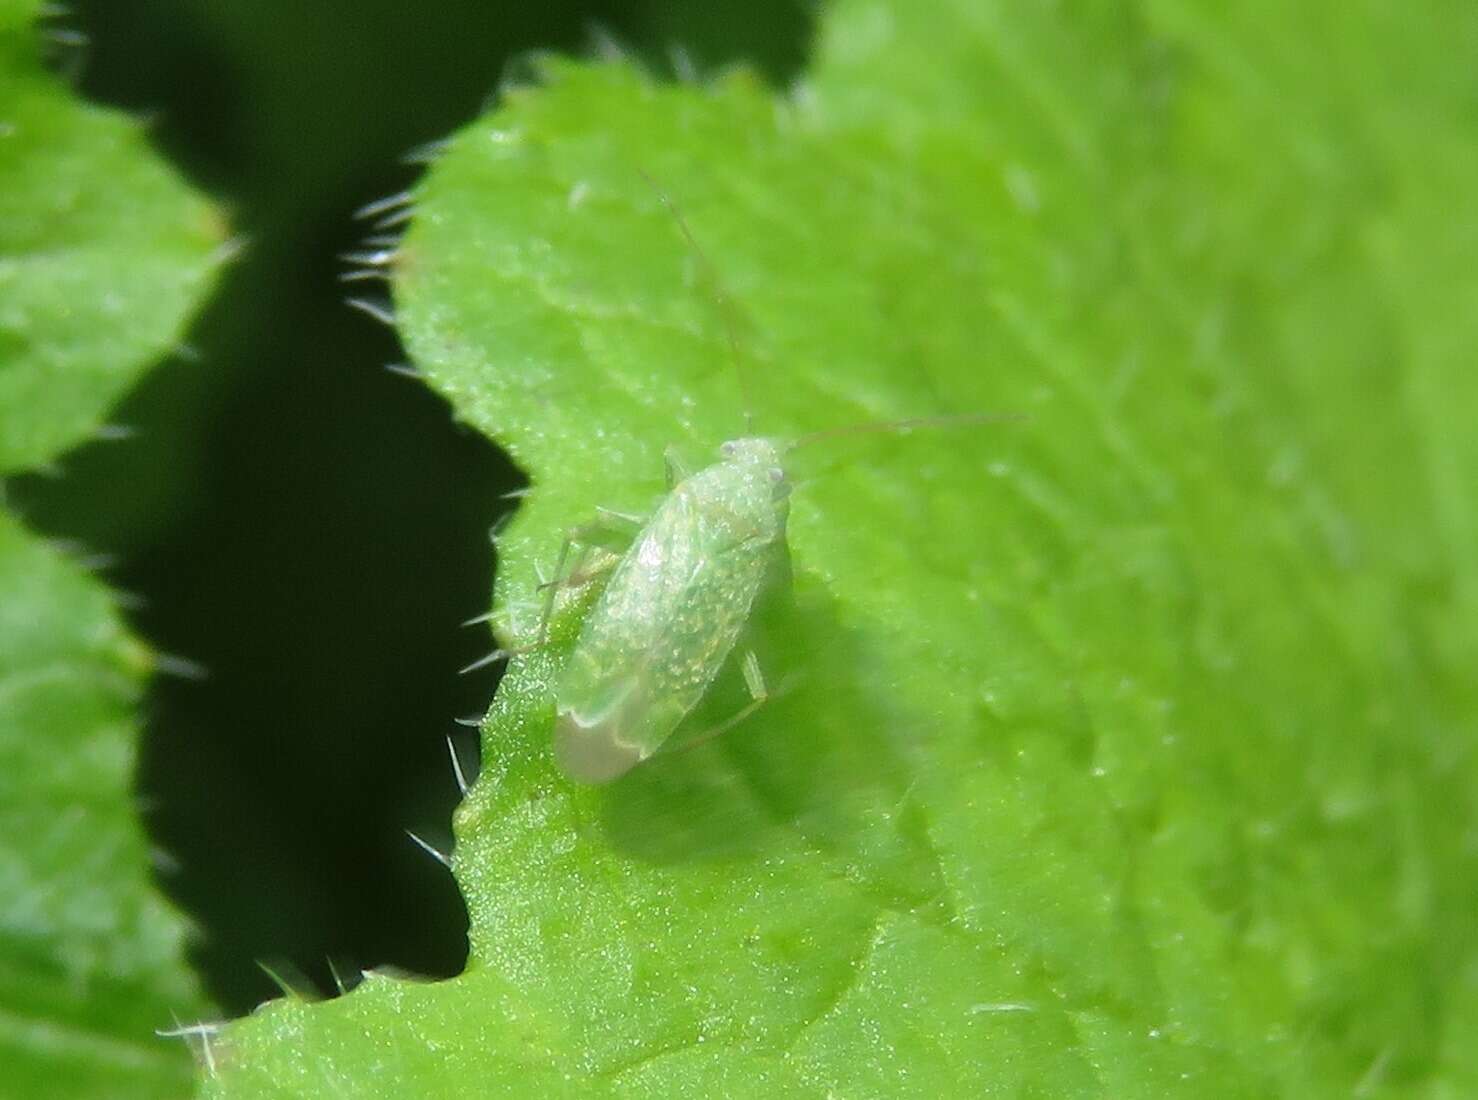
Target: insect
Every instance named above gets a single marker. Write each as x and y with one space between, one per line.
673 611
679 596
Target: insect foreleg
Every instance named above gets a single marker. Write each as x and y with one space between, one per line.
610 530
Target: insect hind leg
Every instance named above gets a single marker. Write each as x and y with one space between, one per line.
759 695
610 530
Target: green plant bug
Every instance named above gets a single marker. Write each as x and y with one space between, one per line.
679 596
672 612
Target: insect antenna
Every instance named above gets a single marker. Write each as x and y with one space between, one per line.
958 421
720 296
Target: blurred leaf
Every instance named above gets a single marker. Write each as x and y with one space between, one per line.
1127 751
102 253
89 955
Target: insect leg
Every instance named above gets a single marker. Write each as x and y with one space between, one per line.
551 587
759 695
610 530
613 531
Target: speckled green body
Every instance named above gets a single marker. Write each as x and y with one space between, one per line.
673 610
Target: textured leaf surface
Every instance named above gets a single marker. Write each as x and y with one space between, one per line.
101 254
1125 752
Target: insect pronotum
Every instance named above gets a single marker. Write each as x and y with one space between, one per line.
678 599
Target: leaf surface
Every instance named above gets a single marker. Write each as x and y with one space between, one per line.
102 254
1126 751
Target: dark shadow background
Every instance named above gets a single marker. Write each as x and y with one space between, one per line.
306 527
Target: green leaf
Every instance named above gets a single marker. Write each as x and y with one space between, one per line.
1126 751
102 252
89 955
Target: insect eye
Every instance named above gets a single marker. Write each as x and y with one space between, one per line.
728 450
777 475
